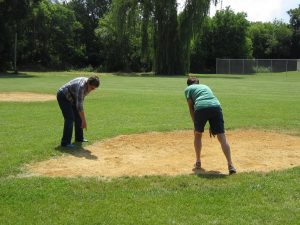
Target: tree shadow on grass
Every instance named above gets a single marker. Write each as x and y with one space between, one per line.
209 174
150 75
237 77
15 75
229 76
78 151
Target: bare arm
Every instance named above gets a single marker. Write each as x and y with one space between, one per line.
191 108
83 121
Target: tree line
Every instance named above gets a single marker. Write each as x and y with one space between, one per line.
136 36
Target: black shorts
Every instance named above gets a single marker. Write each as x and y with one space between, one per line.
214 116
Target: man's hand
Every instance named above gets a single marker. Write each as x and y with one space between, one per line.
83 121
84 125
191 108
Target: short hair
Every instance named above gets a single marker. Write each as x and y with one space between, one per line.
192 80
94 81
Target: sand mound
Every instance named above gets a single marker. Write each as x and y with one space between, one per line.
172 153
25 97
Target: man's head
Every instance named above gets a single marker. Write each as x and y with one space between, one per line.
93 83
192 80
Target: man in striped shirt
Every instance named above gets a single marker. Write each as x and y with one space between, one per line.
70 98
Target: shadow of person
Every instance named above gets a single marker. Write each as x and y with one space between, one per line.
77 151
208 174
15 75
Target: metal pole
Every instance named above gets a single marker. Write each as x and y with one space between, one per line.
243 66
286 68
271 66
15 53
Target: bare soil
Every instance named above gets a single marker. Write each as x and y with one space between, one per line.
172 153
25 97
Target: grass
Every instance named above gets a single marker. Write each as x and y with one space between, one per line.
134 104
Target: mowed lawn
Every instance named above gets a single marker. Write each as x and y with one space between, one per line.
126 104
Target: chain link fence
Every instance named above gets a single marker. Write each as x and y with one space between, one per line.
250 66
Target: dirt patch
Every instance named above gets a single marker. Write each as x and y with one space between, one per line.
172 153
25 97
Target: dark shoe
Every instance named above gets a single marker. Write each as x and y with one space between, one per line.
69 146
83 140
231 169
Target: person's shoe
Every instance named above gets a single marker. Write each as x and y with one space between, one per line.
69 146
197 165
231 169
83 140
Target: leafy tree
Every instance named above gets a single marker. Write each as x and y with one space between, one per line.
51 37
281 48
190 24
230 35
223 36
88 13
270 40
171 35
165 36
119 32
12 14
263 39
295 25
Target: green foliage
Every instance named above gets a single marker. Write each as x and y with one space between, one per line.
165 37
120 34
223 36
229 33
136 35
190 23
262 37
59 24
13 18
88 13
270 40
295 25
129 24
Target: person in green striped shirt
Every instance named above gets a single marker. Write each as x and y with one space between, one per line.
204 106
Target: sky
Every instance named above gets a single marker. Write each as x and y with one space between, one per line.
257 10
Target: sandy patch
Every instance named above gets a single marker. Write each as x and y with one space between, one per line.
172 153
25 97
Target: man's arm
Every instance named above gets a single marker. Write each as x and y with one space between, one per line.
83 121
191 108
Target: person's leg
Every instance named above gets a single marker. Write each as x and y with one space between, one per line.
198 145
199 124
78 128
226 150
225 147
66 109
217 128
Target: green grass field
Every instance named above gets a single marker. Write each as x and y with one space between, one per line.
127 104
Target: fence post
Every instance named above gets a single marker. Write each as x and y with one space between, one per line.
271 66
286 68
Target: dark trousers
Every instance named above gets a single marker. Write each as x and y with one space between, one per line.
71 116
